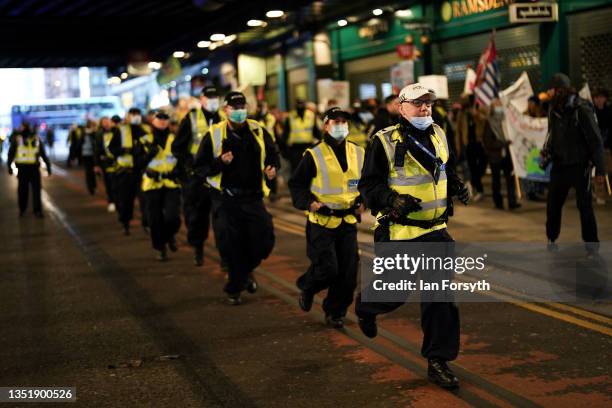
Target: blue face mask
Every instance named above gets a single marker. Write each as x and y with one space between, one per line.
421 122
238 115
340 131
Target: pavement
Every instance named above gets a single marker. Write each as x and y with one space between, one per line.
85 306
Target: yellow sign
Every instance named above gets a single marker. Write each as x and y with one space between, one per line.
463 8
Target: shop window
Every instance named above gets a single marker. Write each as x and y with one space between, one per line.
367 91
596 60
387 89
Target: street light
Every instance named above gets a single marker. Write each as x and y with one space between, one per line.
275 14
217 37
342 22
255 23
377 12
203 44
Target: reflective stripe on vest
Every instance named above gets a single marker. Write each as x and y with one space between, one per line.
218 133
27 152
301 128
415 180
126 160
199 128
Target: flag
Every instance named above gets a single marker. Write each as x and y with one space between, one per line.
487 75
470 81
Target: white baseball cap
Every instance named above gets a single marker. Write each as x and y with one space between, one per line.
415 91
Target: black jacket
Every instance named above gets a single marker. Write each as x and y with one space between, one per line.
12 152
182 143
374 187
574 137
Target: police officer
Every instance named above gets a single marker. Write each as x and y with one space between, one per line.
25 150
196 194
574 145
406 171
87 148
75 135
299 133
358 126
125 146
325 184
105 159
161 186
236 157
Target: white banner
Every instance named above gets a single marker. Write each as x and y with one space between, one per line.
402 74
328 89
439 84
526 134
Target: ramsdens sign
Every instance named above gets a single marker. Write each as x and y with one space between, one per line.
463 8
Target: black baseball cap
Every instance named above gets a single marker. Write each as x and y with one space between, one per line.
210 92
336 113
116 119
162 115
235 99
134 111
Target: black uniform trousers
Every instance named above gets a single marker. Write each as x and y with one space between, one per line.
196 208
29 175
561 180
108 185
125 185
477 161
142 202
439 320
163 214
245 235
334 258
505 166
90 174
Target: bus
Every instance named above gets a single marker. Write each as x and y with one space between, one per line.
64 112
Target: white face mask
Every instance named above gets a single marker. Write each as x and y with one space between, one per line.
339 131
421 122
136 120
212 105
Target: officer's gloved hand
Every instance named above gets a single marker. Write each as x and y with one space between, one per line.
463 194
403 204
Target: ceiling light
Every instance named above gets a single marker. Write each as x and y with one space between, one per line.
275 14
255 23
203 44
342 22
204 71
377 12
403 13
178 54
154 65
229 39
212 46
217 37
124 75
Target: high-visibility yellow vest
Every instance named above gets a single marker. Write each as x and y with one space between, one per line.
163 163
27 150
106 141
218 133
269 122
199 128
442 112
332 186
415 180
126 160
301 128
357 134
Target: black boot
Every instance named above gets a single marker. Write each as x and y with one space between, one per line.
234 299
333 321
439 373
162 256
368 326
126 229
305 300
198 258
